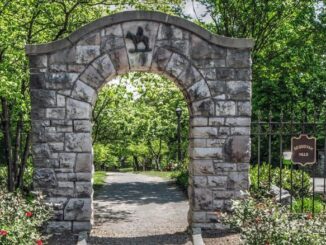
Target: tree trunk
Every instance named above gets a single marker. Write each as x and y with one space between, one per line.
7 143
136 162
16 149
20 181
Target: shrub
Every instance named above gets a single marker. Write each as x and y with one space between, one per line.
181 178
266 222
296 190
104 158
21 218
307 205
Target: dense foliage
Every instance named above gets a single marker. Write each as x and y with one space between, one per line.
266 222
21 219
135 123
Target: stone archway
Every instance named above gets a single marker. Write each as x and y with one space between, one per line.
213 72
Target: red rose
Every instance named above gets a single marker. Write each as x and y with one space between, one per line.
3 233
28 214
267 243
39 242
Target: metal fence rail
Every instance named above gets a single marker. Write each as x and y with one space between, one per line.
271 139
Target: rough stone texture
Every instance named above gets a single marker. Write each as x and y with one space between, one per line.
213 72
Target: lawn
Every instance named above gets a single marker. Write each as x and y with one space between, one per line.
162 174
99 179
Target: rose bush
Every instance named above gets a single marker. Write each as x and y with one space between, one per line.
21 218
266 222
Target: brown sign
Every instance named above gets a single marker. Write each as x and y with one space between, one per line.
303 150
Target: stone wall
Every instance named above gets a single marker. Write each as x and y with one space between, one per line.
213 72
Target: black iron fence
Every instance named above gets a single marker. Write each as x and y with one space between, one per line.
302 188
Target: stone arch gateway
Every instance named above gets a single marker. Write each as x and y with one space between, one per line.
213 72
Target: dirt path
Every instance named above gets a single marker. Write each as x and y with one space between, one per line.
139 209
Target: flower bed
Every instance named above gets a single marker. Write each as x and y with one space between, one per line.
21 218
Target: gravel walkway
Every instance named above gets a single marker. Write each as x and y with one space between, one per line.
139 209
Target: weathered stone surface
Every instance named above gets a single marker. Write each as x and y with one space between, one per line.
90 39
85 54
61 100
203 167
238 58
57 203
206 153
237 149
199 217
41 150
78 142
217 89
202 50
204 132
238 180
104 67
203 108
225 167
160 59
57 113
67 160
239 121
200 181
176 65
199 91
84 189
43 98
56 146
78 209
244 109
190 76
58 226
225 108
63 189
79 226
45 177
203 199
199 121
61 80
111 42
91 77
140 60
119 58
78 110
82 126
114 30
238 90
219 182
84 162
84 92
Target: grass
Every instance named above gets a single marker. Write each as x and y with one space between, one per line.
99 179
162 174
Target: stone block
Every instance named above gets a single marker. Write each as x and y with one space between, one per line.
91 77
203 199
85 54
63 189
225 108
176 65
217 88
111 42
203 167
203 108
244 108
140 60
202 50
60 80
171 32
204 132
238 58
67 160
219 182
238 90
92 39
44 177
199 121
78 142
46 163
78 209
237 149
210 63
78 110
56 146
199 181
225 167
104 67
199 217
61 122
84 162
84 189
55 113
199 91
57 203
208 73
38 61
66 177
215 142
84 176
79 226
190 76
83 92
82 126
242 75
216 121
43 98
238 121
160 59
64 129
225 74
119 58
218 204
64 56
114 30
41 150
238 180
240 130
58 227
198 143
206 153
54 137
61 100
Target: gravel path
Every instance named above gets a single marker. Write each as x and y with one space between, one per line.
139 209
